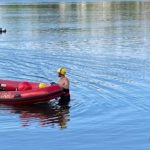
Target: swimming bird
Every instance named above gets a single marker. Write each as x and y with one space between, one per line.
2 30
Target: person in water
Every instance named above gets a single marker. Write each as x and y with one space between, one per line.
64 83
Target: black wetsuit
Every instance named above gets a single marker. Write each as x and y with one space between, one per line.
65 97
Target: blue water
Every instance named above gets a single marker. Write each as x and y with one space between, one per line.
105 48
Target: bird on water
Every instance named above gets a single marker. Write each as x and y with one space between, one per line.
2 30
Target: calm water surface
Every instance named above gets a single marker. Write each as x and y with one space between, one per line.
105 48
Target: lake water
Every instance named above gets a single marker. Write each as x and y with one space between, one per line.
105 47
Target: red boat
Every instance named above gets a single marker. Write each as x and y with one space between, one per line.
22 93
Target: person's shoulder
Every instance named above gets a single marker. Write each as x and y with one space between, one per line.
66 78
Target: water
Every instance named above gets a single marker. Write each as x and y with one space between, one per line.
105 48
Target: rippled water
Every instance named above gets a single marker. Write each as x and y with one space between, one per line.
105 48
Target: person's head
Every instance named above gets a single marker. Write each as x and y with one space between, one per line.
61 71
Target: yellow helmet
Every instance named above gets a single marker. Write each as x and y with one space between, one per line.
62 71
42 85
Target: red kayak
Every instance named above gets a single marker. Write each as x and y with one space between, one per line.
22 93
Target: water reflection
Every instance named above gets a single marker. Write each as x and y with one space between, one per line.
44 114
49 19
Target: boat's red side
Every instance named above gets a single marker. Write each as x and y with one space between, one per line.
11 96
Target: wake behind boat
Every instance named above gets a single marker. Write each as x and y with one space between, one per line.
23 93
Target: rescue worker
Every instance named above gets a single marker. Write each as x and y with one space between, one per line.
64 83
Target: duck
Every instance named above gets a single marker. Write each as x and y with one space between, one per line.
2 30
